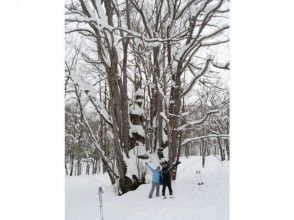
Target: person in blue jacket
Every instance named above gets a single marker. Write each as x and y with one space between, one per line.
155 180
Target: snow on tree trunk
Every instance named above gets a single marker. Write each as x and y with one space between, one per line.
137 134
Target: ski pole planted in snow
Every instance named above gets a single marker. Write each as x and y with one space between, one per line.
200 174
199 177
100 192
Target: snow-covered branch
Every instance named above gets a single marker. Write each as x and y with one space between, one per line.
219 65
91 135
195 78
197 122
71 136
100 109
187 140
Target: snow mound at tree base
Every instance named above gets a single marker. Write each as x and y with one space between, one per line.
209 201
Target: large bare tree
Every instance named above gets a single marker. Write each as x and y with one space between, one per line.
149 55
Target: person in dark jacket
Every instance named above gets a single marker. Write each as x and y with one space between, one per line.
166 178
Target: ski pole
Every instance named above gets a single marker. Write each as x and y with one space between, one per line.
100 192
201 181
198 178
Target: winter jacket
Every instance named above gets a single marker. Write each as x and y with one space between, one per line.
165 174
155 174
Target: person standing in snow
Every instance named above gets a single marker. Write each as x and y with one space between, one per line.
166 178
155 180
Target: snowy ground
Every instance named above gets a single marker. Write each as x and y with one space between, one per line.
207 202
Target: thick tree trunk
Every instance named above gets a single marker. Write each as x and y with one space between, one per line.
66 170
88 169
203 154
227 144
221 149
79 168
71 164
174 110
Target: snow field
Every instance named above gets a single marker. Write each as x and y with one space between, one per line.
206 202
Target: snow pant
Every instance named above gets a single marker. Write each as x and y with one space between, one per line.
168 185
153 186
